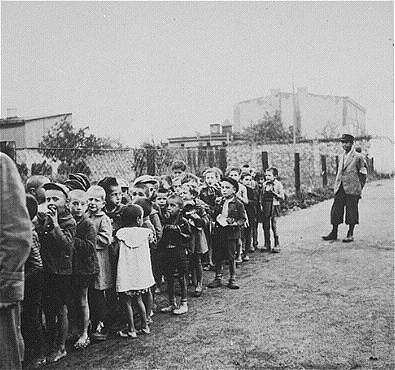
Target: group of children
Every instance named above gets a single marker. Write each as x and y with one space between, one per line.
102 252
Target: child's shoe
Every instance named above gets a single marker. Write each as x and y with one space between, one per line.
127 334
168 309
182 309
216 283
144 331
198 290
238 259
99 333
57 355
232 285
38 362
246 258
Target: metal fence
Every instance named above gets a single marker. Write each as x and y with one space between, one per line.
126 163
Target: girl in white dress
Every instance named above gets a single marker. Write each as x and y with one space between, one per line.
134 272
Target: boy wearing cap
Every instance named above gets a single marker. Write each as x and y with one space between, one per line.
56 233
350 180
230 217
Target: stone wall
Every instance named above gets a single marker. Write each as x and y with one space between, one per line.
281 156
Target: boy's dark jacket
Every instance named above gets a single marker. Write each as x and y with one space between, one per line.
85 258
115 216
57 244
253 204
236 212
176 231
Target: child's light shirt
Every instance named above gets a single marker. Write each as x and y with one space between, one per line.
278 189
134 270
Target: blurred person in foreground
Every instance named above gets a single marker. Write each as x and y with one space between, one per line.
15 241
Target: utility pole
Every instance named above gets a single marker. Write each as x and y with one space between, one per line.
296 155
295 114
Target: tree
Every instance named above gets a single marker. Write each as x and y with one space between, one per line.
71 146
269 129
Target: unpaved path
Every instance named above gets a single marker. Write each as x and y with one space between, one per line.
317 305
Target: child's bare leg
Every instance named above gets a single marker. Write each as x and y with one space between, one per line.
127 303
63 326
83 295
143 312
148 300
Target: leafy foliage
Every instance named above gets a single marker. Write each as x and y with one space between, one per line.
269 129
72 146
43 168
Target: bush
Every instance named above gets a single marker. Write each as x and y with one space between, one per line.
306 199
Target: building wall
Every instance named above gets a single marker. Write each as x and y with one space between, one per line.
37 128
317 113
13 133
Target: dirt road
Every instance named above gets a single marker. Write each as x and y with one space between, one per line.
317 305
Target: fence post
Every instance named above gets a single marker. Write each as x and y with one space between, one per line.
211 158
337 163
297 173
151 161
371 165
265 161
222 160
324 173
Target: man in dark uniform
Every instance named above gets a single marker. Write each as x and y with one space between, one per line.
350 180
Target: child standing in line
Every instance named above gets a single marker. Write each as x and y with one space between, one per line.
209 192
235 173
104 280
230 214
198 219
31 322
174 244
56 232
113 201
113 209
149 296
252 212
134 274
272 193
85 261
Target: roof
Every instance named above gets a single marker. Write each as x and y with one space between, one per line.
236 136
18 121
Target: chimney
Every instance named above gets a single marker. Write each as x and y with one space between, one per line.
215 128
11 113
227 127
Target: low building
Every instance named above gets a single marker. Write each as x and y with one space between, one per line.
316 116
220 135
28 132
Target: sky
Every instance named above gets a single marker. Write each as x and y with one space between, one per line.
142 71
